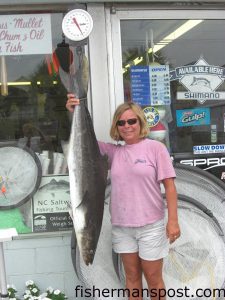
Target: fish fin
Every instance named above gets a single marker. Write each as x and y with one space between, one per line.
70 211
89 123
85 199
74 249
65 148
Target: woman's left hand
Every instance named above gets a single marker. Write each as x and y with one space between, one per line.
172 231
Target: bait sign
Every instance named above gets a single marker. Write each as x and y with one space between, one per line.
193 117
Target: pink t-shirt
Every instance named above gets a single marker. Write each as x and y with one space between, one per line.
136 173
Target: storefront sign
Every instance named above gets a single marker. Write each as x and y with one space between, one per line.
150 85
193 117
51 204
25 34
205 149
201 80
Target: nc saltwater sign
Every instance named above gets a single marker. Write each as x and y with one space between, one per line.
50 205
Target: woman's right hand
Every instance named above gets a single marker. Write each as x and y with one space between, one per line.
71 102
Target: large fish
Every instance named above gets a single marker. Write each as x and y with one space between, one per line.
87 167
88 179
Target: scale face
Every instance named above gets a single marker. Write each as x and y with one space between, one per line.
77 24
20 176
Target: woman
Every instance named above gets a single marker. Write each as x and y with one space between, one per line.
137 208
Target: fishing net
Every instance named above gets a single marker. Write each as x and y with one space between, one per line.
206 190
195 261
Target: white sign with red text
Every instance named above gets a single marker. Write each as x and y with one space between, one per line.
25 34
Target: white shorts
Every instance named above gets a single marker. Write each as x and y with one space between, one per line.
150 241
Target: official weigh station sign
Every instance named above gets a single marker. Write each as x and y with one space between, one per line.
201 81
51 204
25 34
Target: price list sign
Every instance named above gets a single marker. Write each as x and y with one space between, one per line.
140 85
160 85
150 85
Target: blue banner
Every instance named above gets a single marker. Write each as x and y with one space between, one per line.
140 84
150 85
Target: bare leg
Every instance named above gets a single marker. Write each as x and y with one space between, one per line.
133 273
153 275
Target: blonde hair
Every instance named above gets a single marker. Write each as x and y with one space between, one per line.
114 132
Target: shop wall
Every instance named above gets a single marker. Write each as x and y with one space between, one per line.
45 260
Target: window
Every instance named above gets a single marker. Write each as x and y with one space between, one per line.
33 115
181 43
33 110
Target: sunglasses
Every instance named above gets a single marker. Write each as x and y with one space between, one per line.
129 121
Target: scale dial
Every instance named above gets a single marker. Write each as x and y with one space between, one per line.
20 176
77 24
